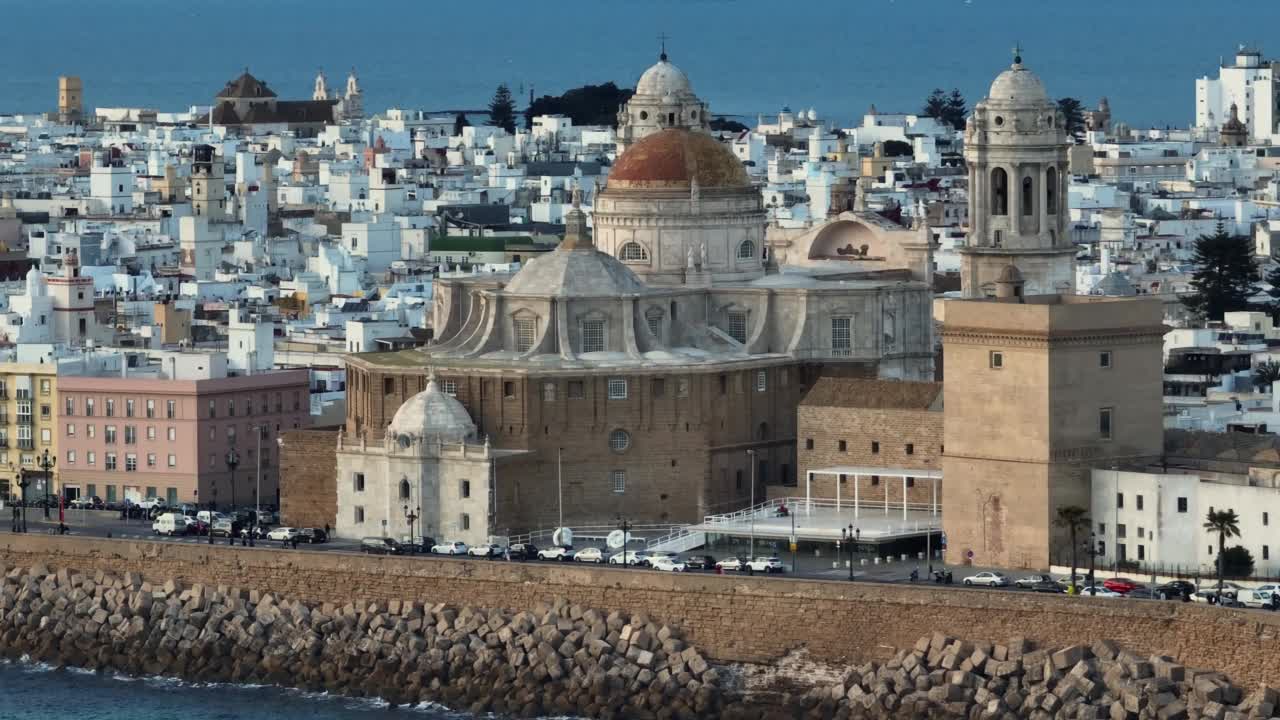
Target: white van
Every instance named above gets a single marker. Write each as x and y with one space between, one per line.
170 524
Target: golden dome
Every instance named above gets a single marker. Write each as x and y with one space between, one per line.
674 159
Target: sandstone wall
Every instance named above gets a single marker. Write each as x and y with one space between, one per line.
731 618
308 478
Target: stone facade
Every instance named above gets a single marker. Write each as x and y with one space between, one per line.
663 99
870 423
308 487
1015 146
833 621
1041 389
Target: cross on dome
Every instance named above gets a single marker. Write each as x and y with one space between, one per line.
662 38
1017 53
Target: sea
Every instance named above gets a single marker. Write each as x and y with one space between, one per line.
36 691
744 57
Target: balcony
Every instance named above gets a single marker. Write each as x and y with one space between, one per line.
26 444
25 420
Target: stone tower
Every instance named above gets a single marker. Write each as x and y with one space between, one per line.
664 99
208 188
353 102
70 100
1016 150
1233 132
321 91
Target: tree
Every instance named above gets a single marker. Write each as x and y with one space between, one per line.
502 109
586 105
897 148
1266 373
460 122
1073 114
947 108
1224 277
1075 519
1237 561
1227 524
721 123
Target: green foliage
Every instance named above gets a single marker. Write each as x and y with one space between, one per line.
897 148
586 105
724 124
460 122
1073 116
1076 520
502 109
1237 562
948 108
1224 277
1265 373
1226 524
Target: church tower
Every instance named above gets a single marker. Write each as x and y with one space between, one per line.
321 91
208 186
1015 145
664 99
353 102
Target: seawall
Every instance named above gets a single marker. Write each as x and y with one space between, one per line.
731 619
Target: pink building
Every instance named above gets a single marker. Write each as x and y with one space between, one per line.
144 437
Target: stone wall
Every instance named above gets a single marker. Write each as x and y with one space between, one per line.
871 437
733 619
308 477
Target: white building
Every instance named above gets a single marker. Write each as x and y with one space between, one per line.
1156 518
250 342
1250 84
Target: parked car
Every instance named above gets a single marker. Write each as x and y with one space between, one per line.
559 552
988 578
485 550
1264 596
1099 591
700 562
1174 589
1048 586
1121 585
648 559
1030 581
451 547
170 524
591 555
310 535
381 546
86 503
195 527
225 527
523 551
631 558
210 516
731 563
666 564
283 534
257 532
765 565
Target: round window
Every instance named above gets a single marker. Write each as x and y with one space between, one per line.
693 115
644 115
619 440
999 121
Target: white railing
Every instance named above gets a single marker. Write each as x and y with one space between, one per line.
595 533
678 541
806 507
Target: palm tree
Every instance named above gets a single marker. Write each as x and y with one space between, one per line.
1074 518
1227 524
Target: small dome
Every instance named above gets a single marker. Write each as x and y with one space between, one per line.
1018 85
674 159
664 79
577 272
433 414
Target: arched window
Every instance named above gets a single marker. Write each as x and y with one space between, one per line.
1051 191
999 192
1028 197
404 489
747 250
632 252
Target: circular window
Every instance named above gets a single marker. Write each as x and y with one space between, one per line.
619 440
644 115
405 441
999 121
693 115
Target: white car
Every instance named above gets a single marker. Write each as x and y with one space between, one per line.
631 558
765 565
558 552
731 563
457 547
1259 597
1098 591
285 534
486 550
990 579
591 555
666 564
656 555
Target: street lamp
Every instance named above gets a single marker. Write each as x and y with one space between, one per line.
851 535
625 527
1093 555
213 506
412 516
752 507
23 482
257 491
233 460
46 463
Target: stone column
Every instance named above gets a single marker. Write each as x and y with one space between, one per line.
1014 204
1043 198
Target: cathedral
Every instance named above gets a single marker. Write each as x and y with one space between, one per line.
650 369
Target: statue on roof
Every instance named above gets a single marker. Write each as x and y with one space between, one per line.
576 195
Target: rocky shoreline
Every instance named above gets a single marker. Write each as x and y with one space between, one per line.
554 659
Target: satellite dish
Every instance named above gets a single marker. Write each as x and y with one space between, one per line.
616 540
562 537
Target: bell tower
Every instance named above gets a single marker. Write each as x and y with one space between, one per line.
1016 149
